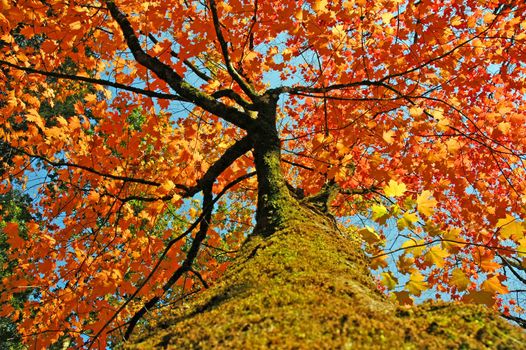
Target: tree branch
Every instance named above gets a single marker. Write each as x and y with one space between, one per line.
174 80
247 89
185 62
185 267
103 82
165 252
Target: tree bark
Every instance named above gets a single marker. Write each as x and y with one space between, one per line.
275 203
308 286
300 283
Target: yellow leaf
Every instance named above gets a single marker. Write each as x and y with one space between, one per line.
407 220
522 247
369 235
75 25
386 17
416 284
435 256
405 264
319 5
34 116
380 213
394 189
432 229
504 127
414 246
509 227
494 285
425 204
450 238
415 111
388 136
166 187
388 280
459 279
379 262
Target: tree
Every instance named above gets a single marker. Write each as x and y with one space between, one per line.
312 115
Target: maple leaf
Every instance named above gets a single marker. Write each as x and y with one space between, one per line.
494 285
380 213
407 220
435 256
459 279
414 246
404 298
388 280
425 203
480 297
416 284
394 189
388 136
11 229
369 235
510 227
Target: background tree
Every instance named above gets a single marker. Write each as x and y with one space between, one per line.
407 114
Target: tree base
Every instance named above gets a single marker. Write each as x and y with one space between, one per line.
308 287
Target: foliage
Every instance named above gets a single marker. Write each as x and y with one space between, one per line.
136 121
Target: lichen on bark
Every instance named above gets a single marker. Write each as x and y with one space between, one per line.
308 286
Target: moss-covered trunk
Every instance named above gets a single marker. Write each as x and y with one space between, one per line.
300 283
307 286
275 204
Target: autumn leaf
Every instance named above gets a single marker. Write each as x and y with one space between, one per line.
510 227
11 229
369 235
494 285
416 284
425 203
487 264
404 298
480 297
407 220
394 189
388 280
459 279
380 213
388 136
435 256
452 241
414 246
379 262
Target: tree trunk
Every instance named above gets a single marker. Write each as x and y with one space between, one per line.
299 282
307 286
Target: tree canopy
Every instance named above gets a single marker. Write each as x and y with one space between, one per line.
152 136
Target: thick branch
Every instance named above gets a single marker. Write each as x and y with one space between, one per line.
231 94
231 154
176 82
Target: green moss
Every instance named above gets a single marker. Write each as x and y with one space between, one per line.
308 287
